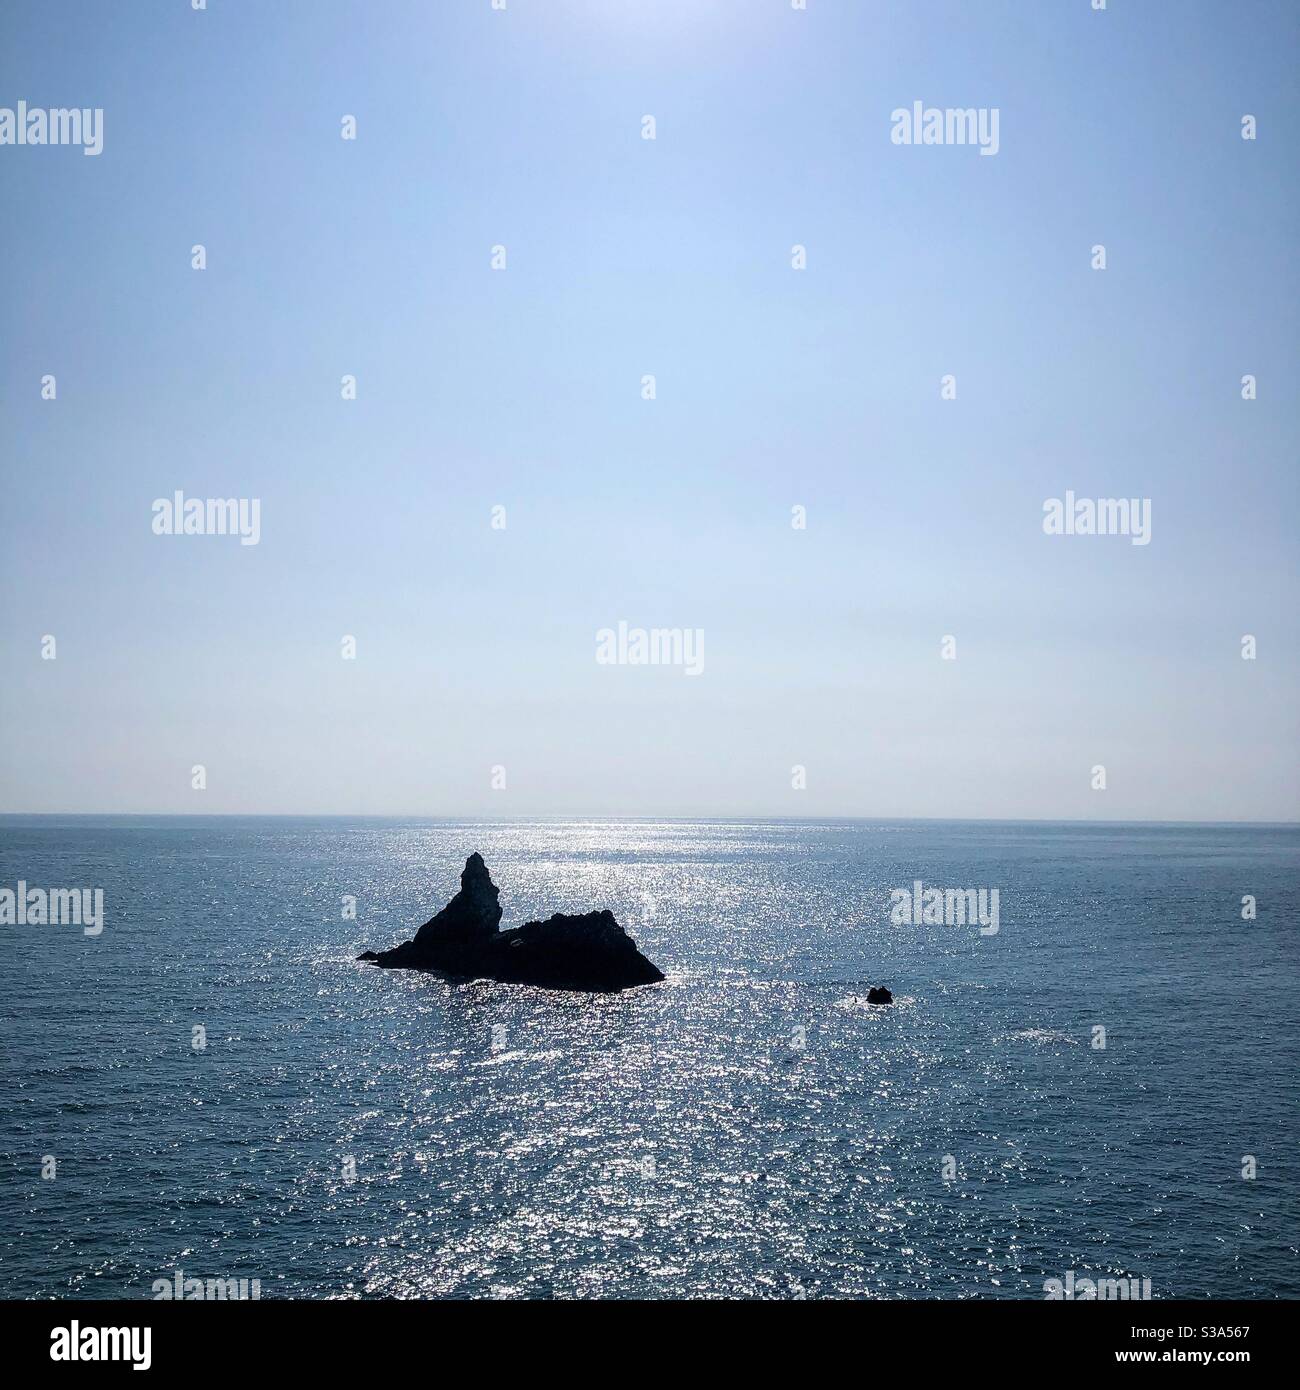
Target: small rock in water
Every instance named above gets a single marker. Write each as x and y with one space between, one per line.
878 994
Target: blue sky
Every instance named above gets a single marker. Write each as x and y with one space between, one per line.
521 388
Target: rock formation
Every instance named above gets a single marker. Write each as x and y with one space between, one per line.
589 951
878 994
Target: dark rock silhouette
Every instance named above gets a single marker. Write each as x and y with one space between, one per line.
472 916
589 951
878 994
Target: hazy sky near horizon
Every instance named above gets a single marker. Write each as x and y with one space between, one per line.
522 389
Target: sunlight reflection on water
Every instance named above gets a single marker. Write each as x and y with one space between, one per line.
752 1127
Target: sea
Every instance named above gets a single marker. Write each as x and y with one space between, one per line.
1105 1086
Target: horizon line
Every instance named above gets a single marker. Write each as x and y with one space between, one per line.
573 818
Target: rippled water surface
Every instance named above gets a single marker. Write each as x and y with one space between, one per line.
676 1140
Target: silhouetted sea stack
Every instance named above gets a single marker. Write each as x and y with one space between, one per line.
589 951
878 994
